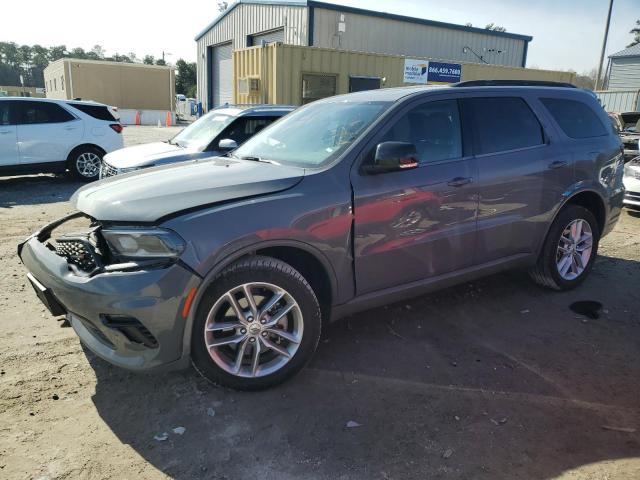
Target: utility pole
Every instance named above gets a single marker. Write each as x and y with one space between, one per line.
604 46
167 53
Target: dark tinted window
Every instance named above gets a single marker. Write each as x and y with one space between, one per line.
503 123
246 127
576 119
5 116
41 112
434 128
99 112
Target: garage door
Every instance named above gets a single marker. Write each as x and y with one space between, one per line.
268 37
222 74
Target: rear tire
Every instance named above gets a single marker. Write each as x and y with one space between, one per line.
282 323
563 263
84 163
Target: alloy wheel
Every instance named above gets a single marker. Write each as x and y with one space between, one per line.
574 249
88 164
254 330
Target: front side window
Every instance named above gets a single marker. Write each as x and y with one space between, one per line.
314 135
42 112
576 119
501 124
434 128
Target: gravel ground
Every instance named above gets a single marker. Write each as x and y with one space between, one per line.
492 380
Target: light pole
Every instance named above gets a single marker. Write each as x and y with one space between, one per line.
167 54
604 45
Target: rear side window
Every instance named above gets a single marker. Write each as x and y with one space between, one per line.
41 112
246 127
99 112
503 123
576 119
5 117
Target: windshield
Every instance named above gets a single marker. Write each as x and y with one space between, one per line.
202 132
313 135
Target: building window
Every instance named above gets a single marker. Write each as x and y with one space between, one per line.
55 84
62 83
317 86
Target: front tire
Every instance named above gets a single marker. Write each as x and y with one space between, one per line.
258 324
569 250
84 163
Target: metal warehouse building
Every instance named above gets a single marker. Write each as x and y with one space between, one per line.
624 69
310 23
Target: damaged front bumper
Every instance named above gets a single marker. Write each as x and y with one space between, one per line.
128 314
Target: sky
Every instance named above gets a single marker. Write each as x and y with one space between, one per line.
567 34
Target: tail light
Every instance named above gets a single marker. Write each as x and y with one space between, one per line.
116 127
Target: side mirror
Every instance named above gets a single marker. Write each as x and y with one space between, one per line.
392 157
226 145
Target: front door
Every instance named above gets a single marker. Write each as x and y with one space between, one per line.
46 132
8 138
415 224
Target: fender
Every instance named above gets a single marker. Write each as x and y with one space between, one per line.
231 258
570 194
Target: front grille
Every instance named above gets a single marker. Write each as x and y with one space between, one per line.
107 170
631 145
78 251
633 196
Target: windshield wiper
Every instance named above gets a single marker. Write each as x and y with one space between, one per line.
257 159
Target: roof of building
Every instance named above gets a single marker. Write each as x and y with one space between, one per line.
361 11
109 63
633 51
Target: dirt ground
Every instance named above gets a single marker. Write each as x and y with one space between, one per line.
492 380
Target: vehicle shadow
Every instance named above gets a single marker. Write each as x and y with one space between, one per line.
36 189
490 380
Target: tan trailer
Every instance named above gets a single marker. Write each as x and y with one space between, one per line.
123 85
291 74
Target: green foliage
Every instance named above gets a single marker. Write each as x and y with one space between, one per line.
161 62
186 78
148 60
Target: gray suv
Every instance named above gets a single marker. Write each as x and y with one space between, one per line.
233 263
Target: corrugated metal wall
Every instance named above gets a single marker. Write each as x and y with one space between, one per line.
281 77
624 73
365 33
620 100
244 20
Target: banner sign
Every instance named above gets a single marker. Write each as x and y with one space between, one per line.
439 72
415 71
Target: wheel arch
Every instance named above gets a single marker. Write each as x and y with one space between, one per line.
83 146
325 286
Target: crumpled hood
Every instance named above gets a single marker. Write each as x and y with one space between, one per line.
157 153
147 195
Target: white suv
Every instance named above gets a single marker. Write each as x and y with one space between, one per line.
40 135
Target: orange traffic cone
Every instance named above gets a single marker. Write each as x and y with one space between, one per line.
168 122
138 120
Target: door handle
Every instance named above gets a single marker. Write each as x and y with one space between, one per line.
4 132
558 164
459 181
70 128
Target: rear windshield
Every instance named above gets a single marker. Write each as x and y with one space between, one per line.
576 119
99 112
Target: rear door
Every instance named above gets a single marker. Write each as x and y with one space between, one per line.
514 152
46 132
415 224
8 135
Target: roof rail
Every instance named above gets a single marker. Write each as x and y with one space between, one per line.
513 83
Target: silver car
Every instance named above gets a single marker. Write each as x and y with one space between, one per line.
216 133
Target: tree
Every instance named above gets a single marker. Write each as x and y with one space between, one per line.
98 52
186 77
57 52
78 53
161 62
222 6
148 60
496 28
635 31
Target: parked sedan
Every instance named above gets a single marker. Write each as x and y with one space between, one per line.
40 135
216 133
